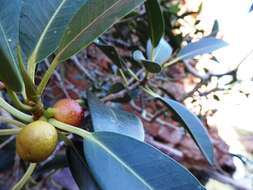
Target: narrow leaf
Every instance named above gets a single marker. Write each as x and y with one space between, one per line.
121 162
156 21
94 18
42 25
251 8
150 66
115 120
215 29
111 52
205 45
194 126
9 27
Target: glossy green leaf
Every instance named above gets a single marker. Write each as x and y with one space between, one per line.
156 21
94 18
205 45
9 27
111 53
194 126
42 25
79 169
161 53
115 120
150 66
121 162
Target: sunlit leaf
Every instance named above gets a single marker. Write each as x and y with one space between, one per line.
203 46
138 56
161 53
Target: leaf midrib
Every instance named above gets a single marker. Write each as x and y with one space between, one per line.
93 138
193 52
43 34
201 148
7 43
84 29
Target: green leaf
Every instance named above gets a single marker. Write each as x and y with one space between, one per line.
111 52
30 87
42 25
150 66
251 8
79 169
115 120
205 45
156 21
93 19
9 27
215 28
194 126
121 162
138 56
161 53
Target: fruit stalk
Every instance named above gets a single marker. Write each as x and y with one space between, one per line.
69 128
25 177
11 121
5 132
13 111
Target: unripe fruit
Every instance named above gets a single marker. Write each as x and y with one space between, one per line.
68 111
36 141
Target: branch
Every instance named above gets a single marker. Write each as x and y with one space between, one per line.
82 68
59 78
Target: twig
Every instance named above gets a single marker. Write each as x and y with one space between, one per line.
174 153
158 114
148 116
183 97
207 76
11 138
130 86
121 93
81 68
59 78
